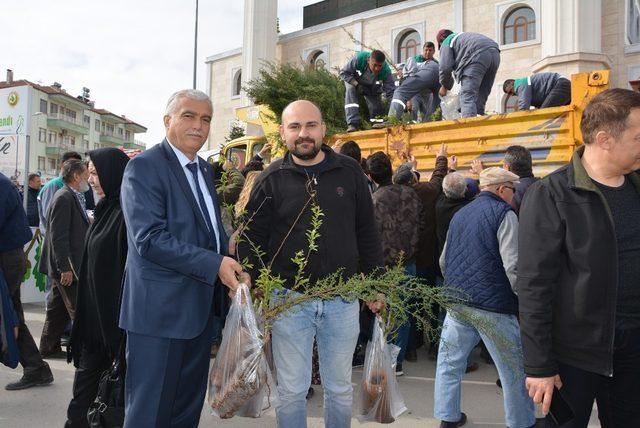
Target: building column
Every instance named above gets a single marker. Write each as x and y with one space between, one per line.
571 37
357 35
458 16
259 40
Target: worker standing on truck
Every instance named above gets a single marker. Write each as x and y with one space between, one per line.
368 74
539 90
423 78
423 102
473 59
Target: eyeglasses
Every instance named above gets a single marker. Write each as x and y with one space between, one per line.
513 189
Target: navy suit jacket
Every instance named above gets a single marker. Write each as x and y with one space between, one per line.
172 267
14 228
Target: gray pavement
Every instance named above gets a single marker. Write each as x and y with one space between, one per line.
46 406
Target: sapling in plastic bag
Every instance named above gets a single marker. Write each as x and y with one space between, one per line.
240 381
379 394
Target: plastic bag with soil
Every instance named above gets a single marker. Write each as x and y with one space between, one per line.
240 382
450 103
379 395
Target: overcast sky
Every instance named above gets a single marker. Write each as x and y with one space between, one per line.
131 54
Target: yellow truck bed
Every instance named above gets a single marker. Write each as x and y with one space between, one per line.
551 134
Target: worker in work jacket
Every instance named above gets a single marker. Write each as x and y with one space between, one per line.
539 90
474 60
423 79
426 101
368 74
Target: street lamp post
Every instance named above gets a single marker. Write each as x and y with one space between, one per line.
195 49
25 186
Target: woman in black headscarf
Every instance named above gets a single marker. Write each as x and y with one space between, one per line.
96 338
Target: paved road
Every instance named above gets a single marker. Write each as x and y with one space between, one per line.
46 406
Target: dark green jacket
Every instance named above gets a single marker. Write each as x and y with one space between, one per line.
567 273
357 68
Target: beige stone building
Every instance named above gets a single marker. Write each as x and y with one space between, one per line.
565 36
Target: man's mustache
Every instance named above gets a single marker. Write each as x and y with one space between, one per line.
305 140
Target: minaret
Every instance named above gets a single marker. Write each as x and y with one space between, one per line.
260 38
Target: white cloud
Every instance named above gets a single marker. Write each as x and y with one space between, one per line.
131 54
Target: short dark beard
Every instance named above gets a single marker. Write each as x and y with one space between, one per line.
305 156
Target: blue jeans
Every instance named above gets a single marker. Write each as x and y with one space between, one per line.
401 338
458 340
335 325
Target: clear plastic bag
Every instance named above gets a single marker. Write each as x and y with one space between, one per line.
379 395
240 381
450 103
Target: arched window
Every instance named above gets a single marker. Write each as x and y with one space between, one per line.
519 26
318 60
633 22
237 84
408 46
510 103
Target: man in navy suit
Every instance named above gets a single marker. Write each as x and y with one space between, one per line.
176 263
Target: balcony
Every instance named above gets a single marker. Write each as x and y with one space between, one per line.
135 145
53 150
57 120
59 147
110 137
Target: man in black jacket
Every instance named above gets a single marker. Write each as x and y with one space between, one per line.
450 201
579 270
32 200
312 174
67 225
517 159
399 214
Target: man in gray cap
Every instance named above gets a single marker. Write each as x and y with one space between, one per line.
479 263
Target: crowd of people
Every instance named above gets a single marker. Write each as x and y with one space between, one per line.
471 59
547 269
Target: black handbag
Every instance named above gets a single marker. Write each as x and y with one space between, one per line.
107 410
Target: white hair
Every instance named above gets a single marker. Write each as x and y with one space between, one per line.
192 94
454 185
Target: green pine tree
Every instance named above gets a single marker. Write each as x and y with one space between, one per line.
236 131
278 85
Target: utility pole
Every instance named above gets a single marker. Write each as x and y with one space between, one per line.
195 49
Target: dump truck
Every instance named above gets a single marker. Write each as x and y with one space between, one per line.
551 134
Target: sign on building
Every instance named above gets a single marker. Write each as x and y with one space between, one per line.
14 126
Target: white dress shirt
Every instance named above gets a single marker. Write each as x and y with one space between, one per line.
184 161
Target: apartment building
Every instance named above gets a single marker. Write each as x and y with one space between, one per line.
53 121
